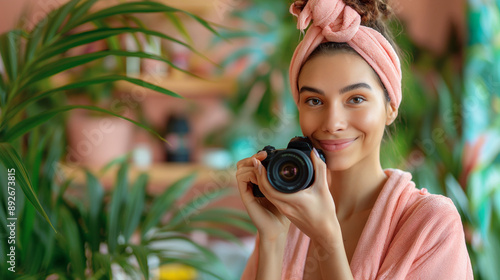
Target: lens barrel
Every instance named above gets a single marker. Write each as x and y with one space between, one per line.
290 171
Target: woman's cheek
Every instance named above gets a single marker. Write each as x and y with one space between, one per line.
307 123
370 122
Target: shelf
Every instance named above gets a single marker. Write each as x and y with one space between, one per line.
197 7
193 6
186 86
161 175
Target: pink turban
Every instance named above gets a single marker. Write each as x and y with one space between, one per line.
334 21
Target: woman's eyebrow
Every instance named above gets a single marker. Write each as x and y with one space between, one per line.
315 90
355 86
343 90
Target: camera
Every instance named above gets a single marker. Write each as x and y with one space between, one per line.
289 170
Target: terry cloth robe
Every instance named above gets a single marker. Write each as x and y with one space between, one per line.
409 234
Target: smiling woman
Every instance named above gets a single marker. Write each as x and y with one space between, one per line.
357 220
342 109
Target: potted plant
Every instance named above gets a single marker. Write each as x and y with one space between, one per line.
27 68
31 141
108 233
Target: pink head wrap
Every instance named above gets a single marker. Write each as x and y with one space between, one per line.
334 21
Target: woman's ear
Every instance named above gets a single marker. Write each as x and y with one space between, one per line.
392 113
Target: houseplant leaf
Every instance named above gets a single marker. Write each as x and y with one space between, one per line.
80 84
179 26
56 19
26 125
72 239
196 205
223 218
11 159
141 254
165 201
458 196
123 9
63 64
83 38
102 266
140 7
116 206
95 195
3 91
9 47
135 206
201 258
78 13
34 40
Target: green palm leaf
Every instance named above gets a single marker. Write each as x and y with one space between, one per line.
28 124
165 201
3 91
72 240
135 206
195 205
79 39
102 266
204 260
50 69
11 159
211 231
207 216
121 9
116 206
95 195
9 46
139 7
84 83
141 254
78 13
56 20
179 26
33 41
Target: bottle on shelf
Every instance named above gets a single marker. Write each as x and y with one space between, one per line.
178 146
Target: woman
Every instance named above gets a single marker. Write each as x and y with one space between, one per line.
356 221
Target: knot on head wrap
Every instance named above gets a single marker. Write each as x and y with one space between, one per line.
334 21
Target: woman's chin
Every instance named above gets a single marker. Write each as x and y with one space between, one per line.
337 165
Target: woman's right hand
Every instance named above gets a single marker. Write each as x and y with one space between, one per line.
271 224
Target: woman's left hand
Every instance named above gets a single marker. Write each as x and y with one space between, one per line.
312 210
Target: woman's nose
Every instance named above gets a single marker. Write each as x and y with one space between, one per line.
335 119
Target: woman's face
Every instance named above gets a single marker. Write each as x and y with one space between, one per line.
343 109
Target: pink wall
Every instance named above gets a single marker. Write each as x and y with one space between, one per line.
12 11
428 21
9 13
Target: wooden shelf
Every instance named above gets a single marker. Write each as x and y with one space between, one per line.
161 175
186 86
193 6
198 7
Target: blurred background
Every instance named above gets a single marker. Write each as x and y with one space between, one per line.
128 120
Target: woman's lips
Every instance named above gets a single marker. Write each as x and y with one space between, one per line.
336 145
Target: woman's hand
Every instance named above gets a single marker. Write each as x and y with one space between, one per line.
312 210
270 223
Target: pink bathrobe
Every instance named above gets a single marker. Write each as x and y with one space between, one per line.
410 234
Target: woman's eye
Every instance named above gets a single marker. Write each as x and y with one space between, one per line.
357 100
313 101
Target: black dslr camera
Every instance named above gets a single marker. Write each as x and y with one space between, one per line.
289 170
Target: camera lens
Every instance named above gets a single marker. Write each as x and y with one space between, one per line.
289 171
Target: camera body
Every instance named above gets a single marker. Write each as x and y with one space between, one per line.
289 170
